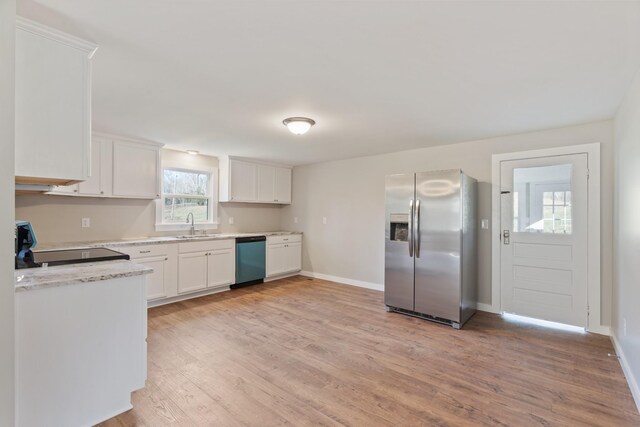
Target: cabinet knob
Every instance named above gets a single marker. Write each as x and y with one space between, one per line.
102 192
75 191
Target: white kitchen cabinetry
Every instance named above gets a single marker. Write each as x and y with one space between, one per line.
249 181
136 170
163 282
282 185
284 254
99 184
53 105
203 265
192 272
120 168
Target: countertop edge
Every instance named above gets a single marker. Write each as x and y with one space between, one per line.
65 276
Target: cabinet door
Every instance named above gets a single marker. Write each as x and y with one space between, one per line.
156 280
283 185
93 185
266 183
276 257
222 268
192 272
52 100
243 181
136 170
293 257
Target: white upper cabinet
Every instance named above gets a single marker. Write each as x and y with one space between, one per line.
99 184
136 170
266 183
243 180
120 168
283 185
53 105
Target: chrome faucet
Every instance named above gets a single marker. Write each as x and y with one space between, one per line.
192 231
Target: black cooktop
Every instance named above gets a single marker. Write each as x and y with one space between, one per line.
69 256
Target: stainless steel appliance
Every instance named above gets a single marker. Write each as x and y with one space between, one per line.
430 245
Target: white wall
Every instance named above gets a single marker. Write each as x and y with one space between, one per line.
58 218
7 19
350 194
626 304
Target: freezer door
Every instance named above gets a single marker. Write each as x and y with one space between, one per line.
438 244
398 273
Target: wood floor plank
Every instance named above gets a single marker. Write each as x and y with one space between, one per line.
305 352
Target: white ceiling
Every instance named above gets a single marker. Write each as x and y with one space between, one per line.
377 76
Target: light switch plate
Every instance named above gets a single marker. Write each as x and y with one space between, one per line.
295 219
86 222
230 220
484 223
324 219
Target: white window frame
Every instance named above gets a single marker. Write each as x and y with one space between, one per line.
212 224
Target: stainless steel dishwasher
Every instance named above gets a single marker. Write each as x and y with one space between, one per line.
250 260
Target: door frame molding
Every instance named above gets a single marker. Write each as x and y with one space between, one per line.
594 281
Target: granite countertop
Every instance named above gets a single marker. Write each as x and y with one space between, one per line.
39 278
158 240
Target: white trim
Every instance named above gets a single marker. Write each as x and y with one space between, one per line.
41 30
281 276
593 225
485 307
343 280
164 301
113 136
212 197
626 369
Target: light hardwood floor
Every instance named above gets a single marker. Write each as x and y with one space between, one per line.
310 352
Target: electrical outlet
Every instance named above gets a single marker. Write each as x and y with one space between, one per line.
484 224
86 222
324 220
624 327
295 219
230 220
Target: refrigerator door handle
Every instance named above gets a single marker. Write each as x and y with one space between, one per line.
416 223
410 233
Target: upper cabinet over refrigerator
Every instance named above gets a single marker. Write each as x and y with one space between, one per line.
430 245
53 105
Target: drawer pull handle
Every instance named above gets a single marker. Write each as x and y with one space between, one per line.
144 252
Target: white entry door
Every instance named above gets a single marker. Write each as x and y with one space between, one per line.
544 238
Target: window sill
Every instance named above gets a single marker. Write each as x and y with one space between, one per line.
180 227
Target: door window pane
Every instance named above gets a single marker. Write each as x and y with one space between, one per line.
542 199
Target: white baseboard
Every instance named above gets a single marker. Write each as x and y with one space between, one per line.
486 307
599 329
282 276
344 281
631 380
177 298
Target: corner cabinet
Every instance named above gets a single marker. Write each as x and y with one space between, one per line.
53 105
163 282
284 254
121 168
249 181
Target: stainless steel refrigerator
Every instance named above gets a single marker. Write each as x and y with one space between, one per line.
430 246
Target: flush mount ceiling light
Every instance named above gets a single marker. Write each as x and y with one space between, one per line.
298 125
194 152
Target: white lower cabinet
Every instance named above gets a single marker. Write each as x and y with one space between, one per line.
284 254
163 282
203 265
192 272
